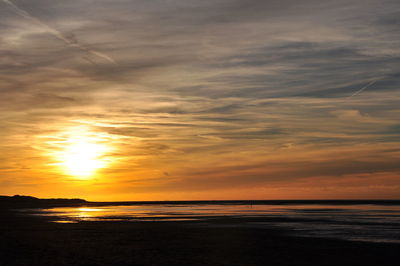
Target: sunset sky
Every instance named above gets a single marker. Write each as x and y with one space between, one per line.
213 99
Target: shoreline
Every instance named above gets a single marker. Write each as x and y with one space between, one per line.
37 241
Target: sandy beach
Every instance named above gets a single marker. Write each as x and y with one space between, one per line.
30 240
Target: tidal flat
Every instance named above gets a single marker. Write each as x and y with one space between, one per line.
27 239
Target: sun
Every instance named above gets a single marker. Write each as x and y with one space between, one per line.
82 158
81 154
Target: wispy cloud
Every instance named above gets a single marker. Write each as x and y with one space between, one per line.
221 94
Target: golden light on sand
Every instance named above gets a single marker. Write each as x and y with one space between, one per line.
82 155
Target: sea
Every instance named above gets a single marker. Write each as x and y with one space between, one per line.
370 221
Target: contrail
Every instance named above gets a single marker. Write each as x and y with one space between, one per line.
56 33
363 88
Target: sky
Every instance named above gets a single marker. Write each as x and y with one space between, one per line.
190 100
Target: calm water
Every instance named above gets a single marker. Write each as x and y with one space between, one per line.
369 222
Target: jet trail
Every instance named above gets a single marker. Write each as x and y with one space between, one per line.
56 33
363 88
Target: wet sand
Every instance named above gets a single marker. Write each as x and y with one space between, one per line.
26 240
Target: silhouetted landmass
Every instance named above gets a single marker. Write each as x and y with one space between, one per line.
18 201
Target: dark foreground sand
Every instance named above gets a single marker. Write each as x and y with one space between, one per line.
36 241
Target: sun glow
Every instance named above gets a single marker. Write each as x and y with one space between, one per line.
82 155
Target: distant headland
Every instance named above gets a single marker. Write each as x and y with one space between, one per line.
18 201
